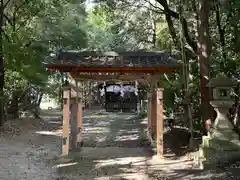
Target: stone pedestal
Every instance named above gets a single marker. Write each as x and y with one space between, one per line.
221 143
223 128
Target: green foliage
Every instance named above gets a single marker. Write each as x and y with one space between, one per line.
32 32
136 19
111 28
163 35
35 29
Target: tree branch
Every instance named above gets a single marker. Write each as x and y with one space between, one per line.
229 15
221 31
169 14
5 5
7 37
20 6
124 6
8 19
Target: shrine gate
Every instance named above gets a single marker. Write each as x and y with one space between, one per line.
144 67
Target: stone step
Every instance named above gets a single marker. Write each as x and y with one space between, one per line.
227 134
224 145
206 151
201 161
214 151
205 141
202 156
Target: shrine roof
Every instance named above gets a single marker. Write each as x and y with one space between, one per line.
92 60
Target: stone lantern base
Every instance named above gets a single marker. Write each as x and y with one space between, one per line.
222 143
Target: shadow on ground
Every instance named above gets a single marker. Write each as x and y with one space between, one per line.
114 148
114 130
128 166
176 142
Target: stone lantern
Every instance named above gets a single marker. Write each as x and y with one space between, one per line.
222 142
222 102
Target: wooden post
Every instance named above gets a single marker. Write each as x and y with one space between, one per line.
90 95
79 117
154 80
66 114
160 120
104 95
149 114
73 123
137 96
149 96
153 113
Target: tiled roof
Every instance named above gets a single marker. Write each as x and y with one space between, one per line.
116 59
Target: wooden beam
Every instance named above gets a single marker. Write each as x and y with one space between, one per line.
128 69
106 76
143 79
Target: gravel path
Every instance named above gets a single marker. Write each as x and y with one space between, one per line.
114 148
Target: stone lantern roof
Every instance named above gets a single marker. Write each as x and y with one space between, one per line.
221 81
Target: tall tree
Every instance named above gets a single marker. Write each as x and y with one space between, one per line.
32 31
204 55
2 9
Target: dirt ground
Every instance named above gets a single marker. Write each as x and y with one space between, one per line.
114 148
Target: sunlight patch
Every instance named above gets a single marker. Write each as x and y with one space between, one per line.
130 117
51 133
103 123
101 139
98 116
118 161
127 137
96 130
125 176
65 165
128 131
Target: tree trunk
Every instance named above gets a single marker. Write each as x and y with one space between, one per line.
204 53
37 108
1 64
14 108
